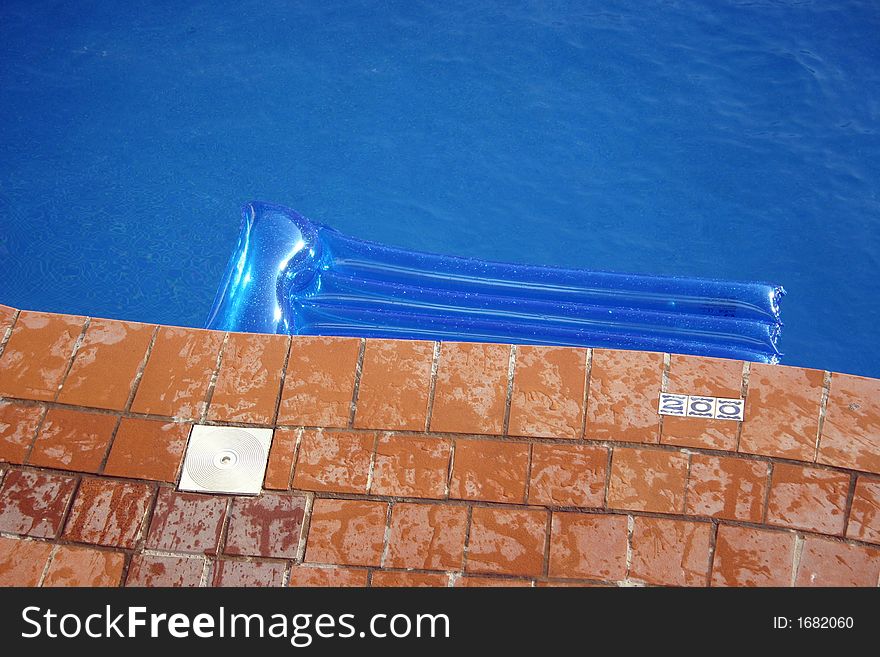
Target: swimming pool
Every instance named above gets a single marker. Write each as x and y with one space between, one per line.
729 140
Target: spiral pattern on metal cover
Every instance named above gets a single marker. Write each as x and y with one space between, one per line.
225 460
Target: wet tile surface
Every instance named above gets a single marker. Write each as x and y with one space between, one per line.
830 563
347 532
395 381
623 389
752 557
411 466
383 578
851 434
37 354
864 519
507 541
73 440
647 480
727 487
186 522
334 461
109 513
147 449
311 576
34 503
808 498
80 566
106 364
249 381
589 546
319 385
426 537
18 427
568 475
471 389
671 552
548 392
279 469
22 562
153 570
248 573
490 471
782 408
266 526
176 379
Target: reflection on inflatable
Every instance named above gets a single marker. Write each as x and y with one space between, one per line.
289 275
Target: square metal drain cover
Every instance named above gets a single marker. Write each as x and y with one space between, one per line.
225 460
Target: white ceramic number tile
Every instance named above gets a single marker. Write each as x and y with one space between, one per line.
701 406
729 409
673 404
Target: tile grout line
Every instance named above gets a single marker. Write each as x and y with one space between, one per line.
528 481
467 539
586 400
508 400
449 467
304 529
548 531
207 567
73 354
766 502
283 379
293 460
224 529
7 334
48 564
139 375
850 498
796 557
687 482
68 509
607 479
823 410
358 370
109 447
386 537
713 544
630 528
33 442
432 385
209 395
372 465
743 392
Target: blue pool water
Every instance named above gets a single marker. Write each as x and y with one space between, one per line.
723 139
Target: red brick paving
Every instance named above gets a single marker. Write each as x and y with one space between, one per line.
186 522
34 503
267 526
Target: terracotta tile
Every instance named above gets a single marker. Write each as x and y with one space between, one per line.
249 380
426 536
864 517
588 545
106 364
37 355
851 433
752 557
33 503
346 532
829 563
696 375
671 552
624 390
782 412
186 522
265 526
558 583
471 581
7 316
808 498
383 578
647 480
80 566
489 470
279 470
411 466
310 576
176 378
22 562
147 449
395 380
109 513
568 475
248 573
548 392
73 440
149 570
18 426
507 541
727 487
471 389
319 384
334 461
